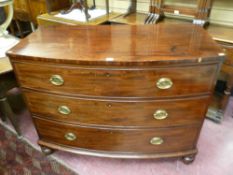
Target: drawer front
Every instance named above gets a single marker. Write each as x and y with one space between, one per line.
160 113
160 82
131 140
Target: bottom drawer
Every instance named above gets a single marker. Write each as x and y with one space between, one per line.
118 140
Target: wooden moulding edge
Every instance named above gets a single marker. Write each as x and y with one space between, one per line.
109 154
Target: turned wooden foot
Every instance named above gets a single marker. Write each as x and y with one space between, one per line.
188 159
47 151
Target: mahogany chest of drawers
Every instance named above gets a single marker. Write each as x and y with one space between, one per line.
118 91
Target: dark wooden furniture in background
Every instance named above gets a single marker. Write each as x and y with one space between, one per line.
52 5
28 10
127 92
22 15
7 82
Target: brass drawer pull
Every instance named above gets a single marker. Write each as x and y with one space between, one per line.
70 136
160 114
64 110
164 83
56 80
156 141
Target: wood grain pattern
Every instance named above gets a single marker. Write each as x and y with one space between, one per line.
124 45
128 141
118 83
110 75
118 113
121 155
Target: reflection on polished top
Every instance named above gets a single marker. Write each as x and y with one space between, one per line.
121 44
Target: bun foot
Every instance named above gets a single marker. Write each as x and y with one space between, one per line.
47 151
188 159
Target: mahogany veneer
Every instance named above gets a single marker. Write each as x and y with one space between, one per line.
118 91
134 141
117 82
118 113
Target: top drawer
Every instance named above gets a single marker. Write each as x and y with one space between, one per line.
81 81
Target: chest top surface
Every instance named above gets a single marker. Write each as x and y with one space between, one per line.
121 44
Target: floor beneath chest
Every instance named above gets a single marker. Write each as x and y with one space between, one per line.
215 156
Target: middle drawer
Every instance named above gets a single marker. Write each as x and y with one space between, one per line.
152 113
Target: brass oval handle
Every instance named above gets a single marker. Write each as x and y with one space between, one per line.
70 136
164 83
64 110
56 80
160 114
156 141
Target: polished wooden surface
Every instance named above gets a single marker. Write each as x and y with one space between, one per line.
109 45
125 140
133 113
54 146
108 87
81 81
